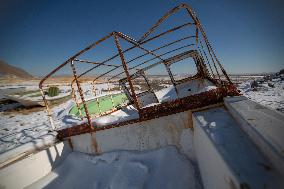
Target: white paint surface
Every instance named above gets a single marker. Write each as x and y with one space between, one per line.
226 156
23 173
264 126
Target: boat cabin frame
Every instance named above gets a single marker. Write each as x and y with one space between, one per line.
199 49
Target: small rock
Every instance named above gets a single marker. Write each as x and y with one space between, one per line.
270 84
253 84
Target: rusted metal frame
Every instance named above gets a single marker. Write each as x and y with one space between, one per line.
181 56
87 71
165 32
159 48
205 68
166 63
196 22
171 77
198 25
134 42
173 29
211 49
199 67
97 100
154 59
116 39
210 53
191 102
148 67
150 39
182 47
165 16
61 66
105 74
73 57
90 62
76 102
157 56
131 40
99 75
125 90
196 76
81 94
169 13
207 61
220 65
110 94
200 64
150 88
48 110
200 58
147 82
194 102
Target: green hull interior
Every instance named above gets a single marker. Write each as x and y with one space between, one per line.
104 102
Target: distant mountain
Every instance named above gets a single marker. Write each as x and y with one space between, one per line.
9 71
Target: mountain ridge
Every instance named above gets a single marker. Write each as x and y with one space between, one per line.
7 71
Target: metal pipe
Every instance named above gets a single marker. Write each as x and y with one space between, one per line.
76 102
81 94
126 71
90 62
97 100
53 127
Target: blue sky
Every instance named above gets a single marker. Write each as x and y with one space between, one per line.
38 35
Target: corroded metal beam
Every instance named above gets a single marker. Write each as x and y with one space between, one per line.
81 95
126 71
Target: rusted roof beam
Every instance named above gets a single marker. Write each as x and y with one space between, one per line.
159 48
150 39
166 45
97 63
154 59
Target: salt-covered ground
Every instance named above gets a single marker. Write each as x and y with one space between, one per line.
24 129
163 168
271 97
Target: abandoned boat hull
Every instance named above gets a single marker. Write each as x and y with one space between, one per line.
213 138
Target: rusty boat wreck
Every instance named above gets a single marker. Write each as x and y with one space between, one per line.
231 141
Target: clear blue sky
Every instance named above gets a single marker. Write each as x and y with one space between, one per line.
38 35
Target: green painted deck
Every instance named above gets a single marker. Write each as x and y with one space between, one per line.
104 102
